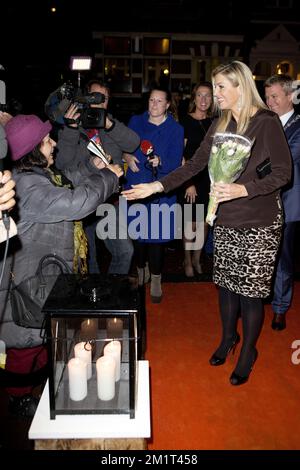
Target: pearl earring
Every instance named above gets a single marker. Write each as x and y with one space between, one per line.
239 104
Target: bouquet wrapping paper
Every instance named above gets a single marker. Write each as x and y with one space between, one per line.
228 158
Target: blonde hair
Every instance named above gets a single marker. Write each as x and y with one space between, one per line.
240 75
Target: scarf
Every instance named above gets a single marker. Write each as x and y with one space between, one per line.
80 239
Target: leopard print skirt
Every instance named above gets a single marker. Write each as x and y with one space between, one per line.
244 258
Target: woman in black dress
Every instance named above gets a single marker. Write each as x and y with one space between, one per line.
196 124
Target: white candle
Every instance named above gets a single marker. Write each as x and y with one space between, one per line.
88 329
106 377
84 352
114 349
114 328
77 379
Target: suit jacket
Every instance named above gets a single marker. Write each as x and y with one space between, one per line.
291 192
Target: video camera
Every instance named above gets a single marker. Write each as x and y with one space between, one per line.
60 100
90 117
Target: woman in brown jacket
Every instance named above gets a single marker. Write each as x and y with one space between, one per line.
249 221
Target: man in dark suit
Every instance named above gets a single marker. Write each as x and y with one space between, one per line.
280 95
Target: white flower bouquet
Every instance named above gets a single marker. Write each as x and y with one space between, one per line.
228 158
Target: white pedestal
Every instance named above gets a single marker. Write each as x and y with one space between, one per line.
96 426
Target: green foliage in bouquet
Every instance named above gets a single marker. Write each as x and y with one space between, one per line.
228 158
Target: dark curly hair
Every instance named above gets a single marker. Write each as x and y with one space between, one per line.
33 158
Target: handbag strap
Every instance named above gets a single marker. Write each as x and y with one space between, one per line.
53 259
45 261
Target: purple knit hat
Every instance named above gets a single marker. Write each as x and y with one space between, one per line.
24 133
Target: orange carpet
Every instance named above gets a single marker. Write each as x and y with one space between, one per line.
193 405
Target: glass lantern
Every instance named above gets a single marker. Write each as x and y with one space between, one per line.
93 330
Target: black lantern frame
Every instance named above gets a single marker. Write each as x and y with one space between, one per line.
95 311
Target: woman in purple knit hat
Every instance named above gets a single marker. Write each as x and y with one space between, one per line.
47 204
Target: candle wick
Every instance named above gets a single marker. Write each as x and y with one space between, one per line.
86 344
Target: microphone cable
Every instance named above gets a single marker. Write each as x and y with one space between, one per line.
6 248
6 222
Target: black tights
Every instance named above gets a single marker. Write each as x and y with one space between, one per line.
252 313
152 252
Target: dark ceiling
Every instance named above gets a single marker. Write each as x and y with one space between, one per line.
37 42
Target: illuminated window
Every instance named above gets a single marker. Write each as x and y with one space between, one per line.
285 68
156 46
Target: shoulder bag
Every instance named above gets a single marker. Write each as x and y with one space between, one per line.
28 298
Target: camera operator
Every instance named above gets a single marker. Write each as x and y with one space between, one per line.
115 139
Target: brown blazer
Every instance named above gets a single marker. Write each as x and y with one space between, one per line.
263 202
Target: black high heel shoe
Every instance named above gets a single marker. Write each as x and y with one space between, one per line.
236 379
215 360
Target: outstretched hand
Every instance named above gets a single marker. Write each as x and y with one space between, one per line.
141 191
